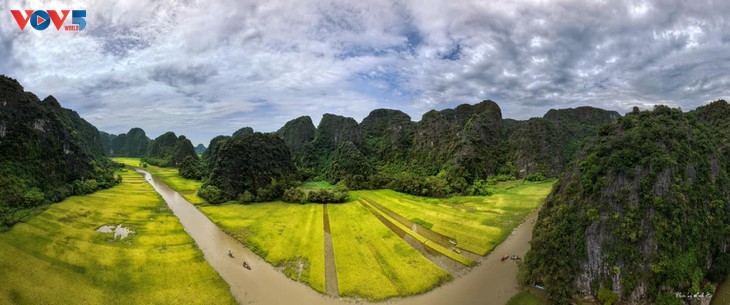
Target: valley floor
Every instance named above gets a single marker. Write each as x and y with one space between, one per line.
380 245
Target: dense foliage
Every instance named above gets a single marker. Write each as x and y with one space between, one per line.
169 150
190 168
243 132
258 166
47 153
643 212
297 195
131 144
547 144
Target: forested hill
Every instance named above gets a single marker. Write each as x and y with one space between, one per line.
47 153
642 213
444 152
131 144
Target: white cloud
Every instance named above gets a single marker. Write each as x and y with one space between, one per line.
204 68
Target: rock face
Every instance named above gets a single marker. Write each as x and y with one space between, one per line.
200 149
131 144
469 142
296 133
388 134
249 163
47 153
535 147
169 150
243 132
547 145
468 137
334 130
642 211
211 154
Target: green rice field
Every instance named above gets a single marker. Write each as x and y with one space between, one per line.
477 223
372 261
186 187
286 235
58 257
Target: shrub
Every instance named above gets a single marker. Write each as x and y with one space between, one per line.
607 296
86 186
212 194
479 188
34 197
535 177
246 197
294 195
337 195
667 299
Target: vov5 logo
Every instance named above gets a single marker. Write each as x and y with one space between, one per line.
42 19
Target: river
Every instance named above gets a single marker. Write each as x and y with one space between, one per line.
492 282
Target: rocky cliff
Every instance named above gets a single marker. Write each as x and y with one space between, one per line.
47 153
642 212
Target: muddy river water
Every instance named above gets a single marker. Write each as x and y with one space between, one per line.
492 282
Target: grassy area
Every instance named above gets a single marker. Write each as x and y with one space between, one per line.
477 223
316 185
284 234
57 257
186 187
374 263
526 298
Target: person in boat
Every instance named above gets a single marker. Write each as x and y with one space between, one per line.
230 253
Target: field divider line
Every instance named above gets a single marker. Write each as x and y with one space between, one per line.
423 240
330 268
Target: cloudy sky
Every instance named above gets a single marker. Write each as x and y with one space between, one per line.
208 67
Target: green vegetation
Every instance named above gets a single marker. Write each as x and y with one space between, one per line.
478 224
131 144
257 164
372 262
607 296
289 236
525 297
168 150
398 226
47 153
322 195
315 185
186 187
58 257
651 193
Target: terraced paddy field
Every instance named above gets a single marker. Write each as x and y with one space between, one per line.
59 257
186 187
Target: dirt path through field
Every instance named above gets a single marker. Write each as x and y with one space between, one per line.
330 270
492 282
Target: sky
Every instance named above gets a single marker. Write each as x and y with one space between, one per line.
206 68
